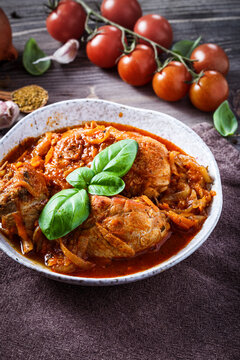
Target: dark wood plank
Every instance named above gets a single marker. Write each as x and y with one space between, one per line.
216 21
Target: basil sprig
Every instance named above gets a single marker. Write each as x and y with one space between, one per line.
106 184
80 178
185 47
32 53
69 208
224 120
116 159
64 212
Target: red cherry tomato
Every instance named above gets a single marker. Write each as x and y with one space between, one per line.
156 28
210 57
105 48
122 12
170 84
210 91
66 21
138 67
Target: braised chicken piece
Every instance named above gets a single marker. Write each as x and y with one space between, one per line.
149 175
118 227
22 198
121 227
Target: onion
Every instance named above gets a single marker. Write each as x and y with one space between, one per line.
7 50
82 264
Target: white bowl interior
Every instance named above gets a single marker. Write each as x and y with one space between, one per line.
75 112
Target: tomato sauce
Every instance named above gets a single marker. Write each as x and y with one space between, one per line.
176 241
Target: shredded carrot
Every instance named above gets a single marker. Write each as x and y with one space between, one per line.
49 155
150 203
74 258
4 165
27 244
99 140
18 164
182 221
93 124
89 132
164 206
22 156
36 161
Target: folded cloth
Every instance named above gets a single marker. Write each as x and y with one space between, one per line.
190 311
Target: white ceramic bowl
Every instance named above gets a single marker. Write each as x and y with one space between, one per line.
75 112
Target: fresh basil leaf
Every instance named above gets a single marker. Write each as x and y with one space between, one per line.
117 158
224 120
185 47
32 53
80 178
106 184
64 212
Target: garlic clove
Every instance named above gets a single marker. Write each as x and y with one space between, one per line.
65 54
9 112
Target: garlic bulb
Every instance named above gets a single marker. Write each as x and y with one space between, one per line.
65 54
9 112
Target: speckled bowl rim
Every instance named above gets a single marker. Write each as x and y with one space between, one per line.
183 254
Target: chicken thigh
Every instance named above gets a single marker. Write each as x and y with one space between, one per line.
122 227
149 175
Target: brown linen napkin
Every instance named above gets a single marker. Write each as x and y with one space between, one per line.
191 311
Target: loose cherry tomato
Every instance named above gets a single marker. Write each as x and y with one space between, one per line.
210 91
156 28
210 57
66 21
106 47
171 83
122 12
138 67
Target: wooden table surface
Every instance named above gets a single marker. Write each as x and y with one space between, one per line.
217 21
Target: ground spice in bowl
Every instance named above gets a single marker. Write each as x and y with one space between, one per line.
30 98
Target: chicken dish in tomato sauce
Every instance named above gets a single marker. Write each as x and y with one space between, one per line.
163 205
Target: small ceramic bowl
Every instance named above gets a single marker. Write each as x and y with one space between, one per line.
76 112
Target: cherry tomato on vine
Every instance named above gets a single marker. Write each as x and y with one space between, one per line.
122 12
170 84
209 92
106 47
155 28
210 57
138 67
66 21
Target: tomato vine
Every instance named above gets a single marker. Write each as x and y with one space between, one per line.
97 17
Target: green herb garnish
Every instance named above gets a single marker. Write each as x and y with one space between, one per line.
116 159
69 208
106 184
224 120
64 212
80 178
32 53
